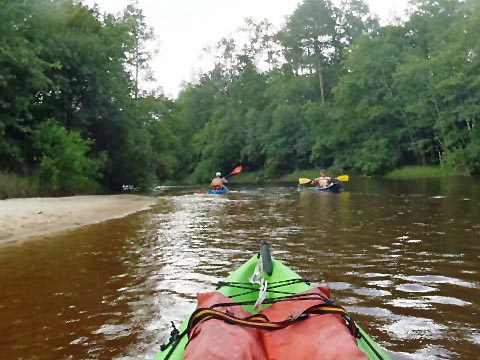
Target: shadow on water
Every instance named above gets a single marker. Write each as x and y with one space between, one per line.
402 256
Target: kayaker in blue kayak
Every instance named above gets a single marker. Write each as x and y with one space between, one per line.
218 182
322 180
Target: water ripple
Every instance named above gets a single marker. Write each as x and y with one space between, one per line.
408 327
438 279
415 288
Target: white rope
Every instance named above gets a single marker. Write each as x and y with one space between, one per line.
259 278
262 294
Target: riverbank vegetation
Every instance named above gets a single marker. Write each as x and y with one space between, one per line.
330 89
424 172
14 186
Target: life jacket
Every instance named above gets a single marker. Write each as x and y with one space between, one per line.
216 184
308 326
323 182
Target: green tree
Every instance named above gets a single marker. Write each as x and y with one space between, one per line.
139 34
310 38
369 113
22 81
156 112
64 164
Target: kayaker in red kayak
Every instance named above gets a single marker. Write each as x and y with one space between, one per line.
322 180
218 182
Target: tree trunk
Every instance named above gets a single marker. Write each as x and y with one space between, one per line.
137 65
320 79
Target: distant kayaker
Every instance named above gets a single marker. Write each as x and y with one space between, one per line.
218 182
322 180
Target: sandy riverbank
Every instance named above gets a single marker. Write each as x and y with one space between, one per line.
36 217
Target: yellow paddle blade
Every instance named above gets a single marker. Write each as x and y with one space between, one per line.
303 181
343 178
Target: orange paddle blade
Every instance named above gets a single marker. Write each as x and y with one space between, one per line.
237 170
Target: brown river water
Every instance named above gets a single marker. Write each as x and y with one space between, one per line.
402 256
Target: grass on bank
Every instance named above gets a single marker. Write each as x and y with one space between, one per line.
250 177
311 174
424 172
409 172
260 176
16 186
23 186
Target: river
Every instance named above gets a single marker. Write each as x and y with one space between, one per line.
402 256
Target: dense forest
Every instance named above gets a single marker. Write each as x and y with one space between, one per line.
330 89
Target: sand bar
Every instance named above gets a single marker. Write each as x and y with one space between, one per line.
21 219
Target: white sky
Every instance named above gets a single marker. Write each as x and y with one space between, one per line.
184 27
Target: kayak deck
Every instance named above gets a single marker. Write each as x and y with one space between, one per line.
224 190
281 275
333 187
